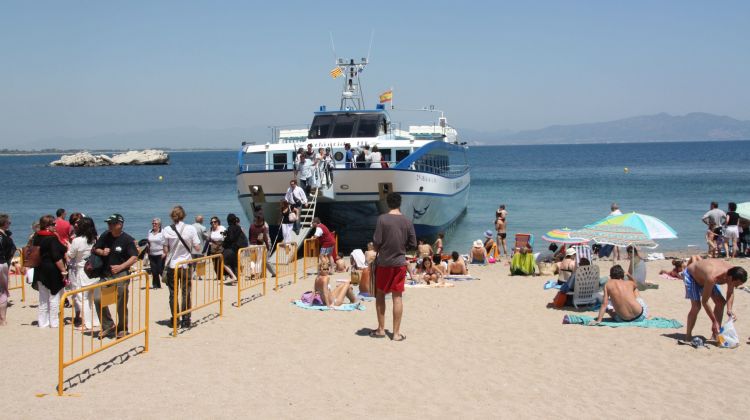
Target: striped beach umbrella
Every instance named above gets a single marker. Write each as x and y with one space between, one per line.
616 235
563 236
652 227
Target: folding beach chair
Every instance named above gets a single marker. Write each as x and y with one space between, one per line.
586 285
583 251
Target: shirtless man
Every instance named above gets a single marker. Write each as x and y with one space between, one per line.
457 265
500 216
424 249
628 305
702 279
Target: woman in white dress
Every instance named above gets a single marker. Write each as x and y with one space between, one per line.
375 157
78 251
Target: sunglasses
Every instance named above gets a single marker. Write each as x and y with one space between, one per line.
214 221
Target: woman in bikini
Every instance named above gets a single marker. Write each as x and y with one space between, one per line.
429 272
336 296
438 247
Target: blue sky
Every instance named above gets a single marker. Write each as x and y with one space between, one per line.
80 69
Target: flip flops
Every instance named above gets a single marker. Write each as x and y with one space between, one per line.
374 334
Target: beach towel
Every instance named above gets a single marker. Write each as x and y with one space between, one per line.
460 277
654 322
551 284
523 264
418 285
345 307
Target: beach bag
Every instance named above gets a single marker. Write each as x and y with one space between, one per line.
311 298
94 266
561 298
32 256
491 260
292 216
728 337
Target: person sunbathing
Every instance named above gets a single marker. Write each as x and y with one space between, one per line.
478 253
341 266
336 296
565 268
626 304
523 263
457 266
678 266
489 243
570 284
430 274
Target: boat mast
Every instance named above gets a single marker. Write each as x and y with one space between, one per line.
351 95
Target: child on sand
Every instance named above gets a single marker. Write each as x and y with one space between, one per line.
370 254
711 240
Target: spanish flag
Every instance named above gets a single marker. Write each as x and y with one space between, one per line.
386 96
337 72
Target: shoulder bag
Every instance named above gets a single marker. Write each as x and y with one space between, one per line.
32 256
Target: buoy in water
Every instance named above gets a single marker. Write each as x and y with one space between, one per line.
627 170
161 178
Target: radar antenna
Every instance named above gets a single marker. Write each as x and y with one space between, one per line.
351 95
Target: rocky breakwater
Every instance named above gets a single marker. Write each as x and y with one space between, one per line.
133 157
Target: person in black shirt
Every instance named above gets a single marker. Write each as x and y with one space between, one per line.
234 240
7 249
118 252
732 229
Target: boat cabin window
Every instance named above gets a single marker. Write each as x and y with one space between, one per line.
369 125
255 161
321 126
401 155
279 161
386 154
344 126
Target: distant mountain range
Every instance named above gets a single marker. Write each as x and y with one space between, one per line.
696 126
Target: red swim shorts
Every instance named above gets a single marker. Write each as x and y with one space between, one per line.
390 279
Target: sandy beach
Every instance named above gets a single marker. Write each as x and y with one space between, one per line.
486 348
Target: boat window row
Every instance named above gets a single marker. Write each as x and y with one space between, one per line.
347 125
442 162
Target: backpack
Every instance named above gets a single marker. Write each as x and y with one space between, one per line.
94 266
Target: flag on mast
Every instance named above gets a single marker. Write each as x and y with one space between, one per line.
386 96
337 72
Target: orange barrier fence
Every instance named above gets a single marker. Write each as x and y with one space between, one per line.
197 283
129 293
286 262
17 276
251 269
310 256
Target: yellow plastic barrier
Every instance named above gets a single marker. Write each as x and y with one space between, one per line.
251 269
286 262
310 255
17 277
197 283
131 319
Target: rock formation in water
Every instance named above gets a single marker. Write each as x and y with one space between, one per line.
133 157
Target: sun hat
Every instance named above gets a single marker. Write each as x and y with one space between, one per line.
570 251
488 233
478 243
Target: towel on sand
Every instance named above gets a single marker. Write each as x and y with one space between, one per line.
654 322
417 285
344 307
460 277
551 284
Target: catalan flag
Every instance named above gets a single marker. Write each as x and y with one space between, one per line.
337 72
386 96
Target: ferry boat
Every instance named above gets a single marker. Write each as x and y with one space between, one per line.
425 163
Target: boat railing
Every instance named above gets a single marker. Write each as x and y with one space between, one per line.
319 170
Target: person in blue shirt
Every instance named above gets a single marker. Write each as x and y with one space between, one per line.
349 156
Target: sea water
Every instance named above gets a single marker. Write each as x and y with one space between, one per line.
543 187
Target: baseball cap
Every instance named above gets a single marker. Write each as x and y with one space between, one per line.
115 218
